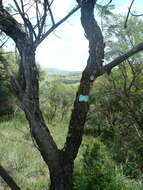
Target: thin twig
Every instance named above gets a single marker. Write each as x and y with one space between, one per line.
38 41
51 14
135 14
127 17
108 3
4 43
27 22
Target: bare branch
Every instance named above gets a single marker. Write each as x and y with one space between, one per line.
27 22
121 58
133 14
38 41
125 25
37 16
51 14
4 43
109 3
41 22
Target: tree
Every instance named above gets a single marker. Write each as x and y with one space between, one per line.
27 37
6 97
116 104
56 99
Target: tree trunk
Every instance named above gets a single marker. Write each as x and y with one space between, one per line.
62 180
60 168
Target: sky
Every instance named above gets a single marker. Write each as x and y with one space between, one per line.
67 48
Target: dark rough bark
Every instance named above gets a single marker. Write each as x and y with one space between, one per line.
27 91
64 180
94 65
30 104
10 26
8 179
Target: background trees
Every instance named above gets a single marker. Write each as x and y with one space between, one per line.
56 99
116 104
6 97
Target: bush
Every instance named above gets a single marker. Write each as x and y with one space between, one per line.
99 172
6 100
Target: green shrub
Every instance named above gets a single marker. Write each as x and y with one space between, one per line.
99 172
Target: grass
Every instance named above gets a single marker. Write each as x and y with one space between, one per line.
21 159
19 156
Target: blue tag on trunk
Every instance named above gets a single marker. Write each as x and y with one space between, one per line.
83 98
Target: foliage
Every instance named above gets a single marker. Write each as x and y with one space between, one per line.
112 118
116 104
56 99
99 172
96 172
17 151
20 157
119 39
6 97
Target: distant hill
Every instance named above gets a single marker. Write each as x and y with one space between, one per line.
54 70
67 77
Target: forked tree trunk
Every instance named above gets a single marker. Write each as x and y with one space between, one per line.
60 169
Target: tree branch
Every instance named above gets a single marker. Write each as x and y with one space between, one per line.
10 26
1 2
4 43
125 25
136 14
93 69
121 58
8 179
41 21
26 21
38 41
94 64
51 14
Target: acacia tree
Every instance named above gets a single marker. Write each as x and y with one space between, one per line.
27 37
